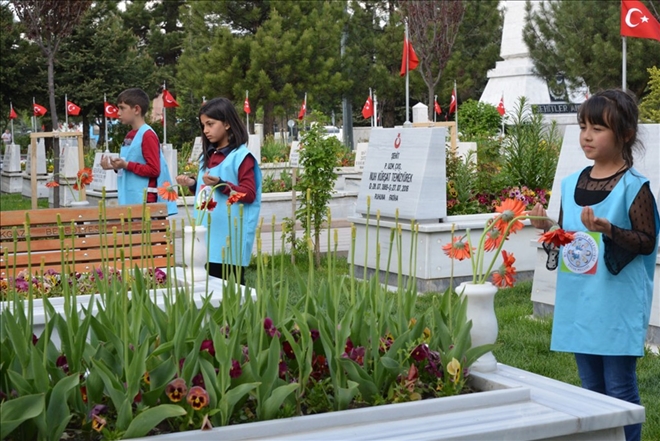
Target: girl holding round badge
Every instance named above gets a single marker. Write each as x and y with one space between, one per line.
228 173
605 276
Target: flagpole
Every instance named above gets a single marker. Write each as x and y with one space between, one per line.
375 110
247 115
406 50
105 117
435 114
11 107
372 110
456 103
34 117
66 111
624 62
164 117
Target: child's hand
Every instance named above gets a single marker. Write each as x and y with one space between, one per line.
595 224
210 180
105 163
185 180
541 224
119 163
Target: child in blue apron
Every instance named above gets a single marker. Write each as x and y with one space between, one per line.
141 166
605 276
227 160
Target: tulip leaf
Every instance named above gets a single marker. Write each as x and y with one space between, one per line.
274 402
57 414
150 418
14 412
366 384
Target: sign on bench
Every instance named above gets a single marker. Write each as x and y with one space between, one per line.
111 237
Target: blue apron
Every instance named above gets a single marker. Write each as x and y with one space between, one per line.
597 312
222 224
130 187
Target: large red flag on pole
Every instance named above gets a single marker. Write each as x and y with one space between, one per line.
12 113
637 21
452 104
110 111
246 104
410 55
39 110
368 108
303 108
168 99
72 109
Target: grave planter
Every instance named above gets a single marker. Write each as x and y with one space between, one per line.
511 404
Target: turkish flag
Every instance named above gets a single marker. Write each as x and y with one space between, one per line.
39 110
110 110
303 110
168 99
437 108
368 108
452 105
408 53
500 107
637 21
12 113
72 109
246 106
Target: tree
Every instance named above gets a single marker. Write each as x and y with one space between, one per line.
48 22
433 28
581 41
649 108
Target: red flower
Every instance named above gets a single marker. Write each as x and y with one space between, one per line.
83 179
458 249
505 275
235 370
510 209
493 239
234 197
557 237
208 205
197 397
207 345
168 192
83 393
52 184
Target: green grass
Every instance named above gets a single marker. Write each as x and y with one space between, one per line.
16 201
524 341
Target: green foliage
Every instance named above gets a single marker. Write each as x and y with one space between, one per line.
530 151
478 120
318 157
649 108
274 151
581 40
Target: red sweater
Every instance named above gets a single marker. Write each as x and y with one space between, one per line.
246 180
151 154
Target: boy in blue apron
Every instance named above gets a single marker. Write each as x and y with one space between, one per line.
605 276
141 165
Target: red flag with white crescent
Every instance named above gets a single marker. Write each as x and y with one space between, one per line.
168 99
500 107
368 108
437 108
452 105
246 106
637 21
110 111
410 55
72 109
39 110
12 113
303 110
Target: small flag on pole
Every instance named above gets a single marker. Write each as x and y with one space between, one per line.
246 105
168 99
72 109
12 113
39 110
436 106
452 104
303 108
110 110
368 108
408 53
500 107
637 21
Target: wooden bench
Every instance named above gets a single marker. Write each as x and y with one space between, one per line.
93 237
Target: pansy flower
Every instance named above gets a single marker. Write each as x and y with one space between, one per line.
197 397
176 390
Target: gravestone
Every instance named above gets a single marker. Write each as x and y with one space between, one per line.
11 179
254 145
196 150
571 160
405 171
103 178
360 155
42 175
467 150
171 156
420 112
294 154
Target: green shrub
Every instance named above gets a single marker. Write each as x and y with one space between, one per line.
274 151
478 120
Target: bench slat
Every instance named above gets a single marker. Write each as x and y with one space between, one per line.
68 214
84 242
85 267
52 231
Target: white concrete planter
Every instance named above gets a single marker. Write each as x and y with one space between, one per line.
513 405
433 268
275 170
342 205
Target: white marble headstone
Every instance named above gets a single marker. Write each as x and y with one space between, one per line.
254 145
11 162
405 170
69 164
420 113
171 156
41 158
103 178
360 155
196 150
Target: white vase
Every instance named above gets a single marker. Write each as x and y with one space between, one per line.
481 310
195 255
78 204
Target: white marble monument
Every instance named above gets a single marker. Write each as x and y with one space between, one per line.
103 178
11 179
171 158
572 159
196 151
42 174
68 173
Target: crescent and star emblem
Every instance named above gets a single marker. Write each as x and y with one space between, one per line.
397 141
71 109
108 109
629 16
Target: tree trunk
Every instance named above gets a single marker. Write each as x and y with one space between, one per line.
56 141
431 108
269 118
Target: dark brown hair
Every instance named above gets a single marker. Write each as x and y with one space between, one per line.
135 97
221 109
616 110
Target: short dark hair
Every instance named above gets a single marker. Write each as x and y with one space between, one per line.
135 97
617 110
221 109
